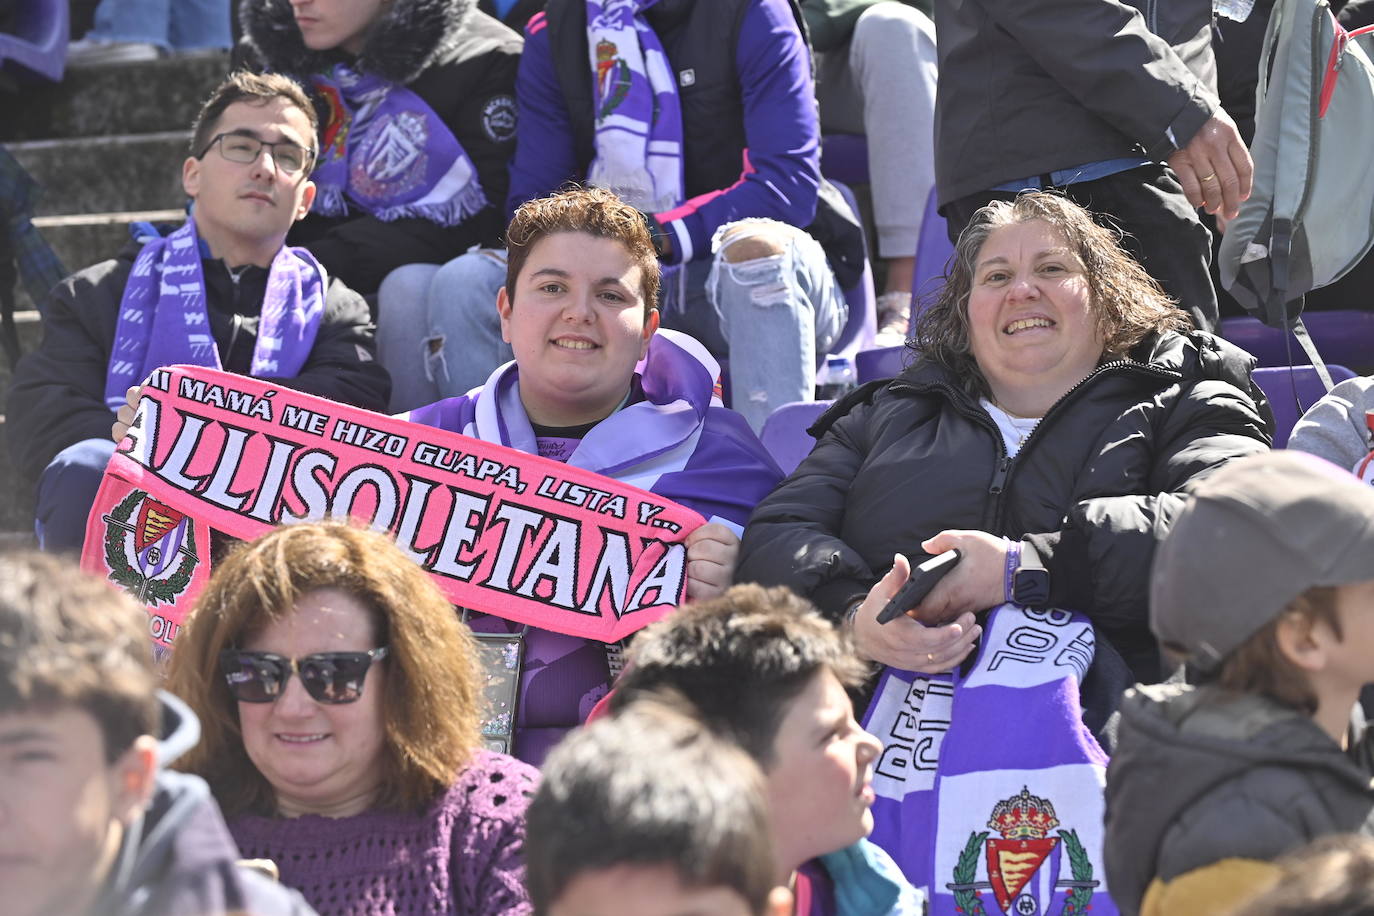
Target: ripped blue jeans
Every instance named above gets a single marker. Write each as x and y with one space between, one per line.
775 317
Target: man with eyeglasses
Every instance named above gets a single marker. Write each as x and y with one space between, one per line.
221 291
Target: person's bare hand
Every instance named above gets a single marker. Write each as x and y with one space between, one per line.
1215 168
906 643
977 583
125 415
712 551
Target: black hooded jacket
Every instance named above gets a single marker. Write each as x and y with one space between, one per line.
1094 488
462 63
57 397
1199 776
179 857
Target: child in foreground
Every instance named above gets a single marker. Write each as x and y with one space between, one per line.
1265 587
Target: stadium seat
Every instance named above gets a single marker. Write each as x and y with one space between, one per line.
1291 391
862 300
933 250
1344 336
844 158
884 362
784 432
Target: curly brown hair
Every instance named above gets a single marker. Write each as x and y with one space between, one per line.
593 211
1130 305
433 681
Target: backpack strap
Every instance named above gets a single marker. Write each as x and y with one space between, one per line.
1310 348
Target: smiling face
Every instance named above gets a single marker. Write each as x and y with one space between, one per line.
576 321
329 24
319 758
62 808
244 209
1031 319
820 783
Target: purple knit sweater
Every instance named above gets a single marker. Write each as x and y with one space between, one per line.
462 856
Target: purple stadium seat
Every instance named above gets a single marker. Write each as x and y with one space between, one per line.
933 250
784 432
844 158
1344 336
1279 384
862 300
884 362
38 44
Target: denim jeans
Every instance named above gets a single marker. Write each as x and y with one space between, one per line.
438 331
177 25
775 317
66 492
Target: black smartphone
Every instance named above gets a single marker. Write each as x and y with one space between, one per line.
921 581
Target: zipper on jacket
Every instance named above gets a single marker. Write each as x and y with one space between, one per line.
997 487
237 316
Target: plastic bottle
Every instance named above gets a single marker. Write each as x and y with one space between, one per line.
837 378
1239 10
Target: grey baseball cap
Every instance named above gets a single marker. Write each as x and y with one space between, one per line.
1255 535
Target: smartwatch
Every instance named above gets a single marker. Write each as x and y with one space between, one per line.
1030 580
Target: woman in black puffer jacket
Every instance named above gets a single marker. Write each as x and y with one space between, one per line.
1058 411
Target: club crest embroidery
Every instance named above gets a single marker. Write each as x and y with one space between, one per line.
334 136
612 78
393 158
150 549
1023 866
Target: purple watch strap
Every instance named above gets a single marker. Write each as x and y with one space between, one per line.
1013 563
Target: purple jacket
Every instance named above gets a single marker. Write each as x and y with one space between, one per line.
779 164
678 442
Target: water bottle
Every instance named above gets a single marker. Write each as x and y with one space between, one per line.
1239 10
837 378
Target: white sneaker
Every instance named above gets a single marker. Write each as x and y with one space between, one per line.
89 52
894 319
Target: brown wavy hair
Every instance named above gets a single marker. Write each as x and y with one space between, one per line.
593 211
433 684
1130 305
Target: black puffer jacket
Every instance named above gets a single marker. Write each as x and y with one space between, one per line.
462 63
1093 488
58 395
1199 776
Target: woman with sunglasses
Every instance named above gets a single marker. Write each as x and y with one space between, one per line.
339 696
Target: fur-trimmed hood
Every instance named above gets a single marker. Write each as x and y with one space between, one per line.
410 37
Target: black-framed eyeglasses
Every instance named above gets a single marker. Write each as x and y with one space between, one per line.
329 677
290 158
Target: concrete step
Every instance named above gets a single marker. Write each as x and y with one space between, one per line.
81 240
106 174
112 99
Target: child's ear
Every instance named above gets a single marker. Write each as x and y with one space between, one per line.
1303 641
135 774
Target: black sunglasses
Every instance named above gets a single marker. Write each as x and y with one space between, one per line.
329 677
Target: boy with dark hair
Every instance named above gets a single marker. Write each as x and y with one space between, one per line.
1265 588
88 822
763 668
221 291
668 819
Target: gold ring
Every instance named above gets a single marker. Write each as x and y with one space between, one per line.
1210 177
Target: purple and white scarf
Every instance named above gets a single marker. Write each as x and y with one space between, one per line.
638 114
989 787
386 151
163 319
